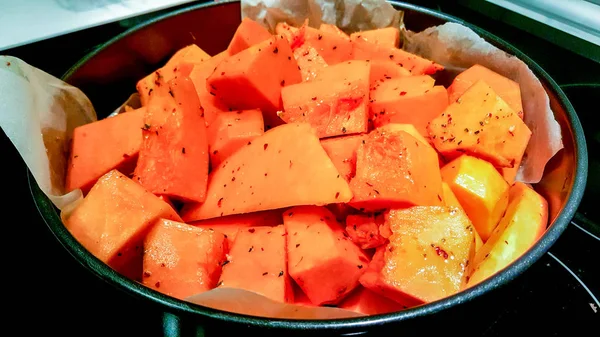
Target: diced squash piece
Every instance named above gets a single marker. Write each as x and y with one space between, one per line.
98 147
287 31
481 124
450 200
342 151
325 27
427 256
408 128
113 219
210 105
232 224
383 70
257 262
261 175
173 159
363 230
191 54
309 61
523 224
230 131
181 260
388 36
366 50
253 78
507 89
332 46
248 33
395 170
325 264
336 103
367 302
408 100
480 189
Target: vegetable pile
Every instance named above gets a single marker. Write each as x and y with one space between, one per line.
312 167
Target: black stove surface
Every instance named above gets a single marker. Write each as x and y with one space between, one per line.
558 296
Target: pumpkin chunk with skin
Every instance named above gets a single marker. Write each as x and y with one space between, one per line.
261 175
408 100
342 151
253 78
248 33
200 72
363 230
480 124
98 147
232 224
191 54
113 219
181 260
395 170
257 262
367 302
480 189
232 130
309 61
173 159
427 256
325 264
335 103
523 224
365 50
388 36
451 201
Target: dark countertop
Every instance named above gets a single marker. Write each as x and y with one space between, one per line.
81 305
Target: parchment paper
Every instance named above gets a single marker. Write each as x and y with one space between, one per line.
38 112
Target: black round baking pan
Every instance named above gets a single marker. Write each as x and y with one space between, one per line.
108 76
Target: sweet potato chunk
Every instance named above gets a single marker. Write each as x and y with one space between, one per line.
426 258
230 131
324 263
191 54
309 61
523 224
232 224
335 103
480 189
480 124
98 147
363 230
383 70
253 78
173 159
342 152
181 260
261 175
367 302
365 50
113 219
210 104
507 89
388 37
408 100
257 262
395 170
248 33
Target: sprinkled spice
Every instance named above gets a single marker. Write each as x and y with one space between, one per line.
183 150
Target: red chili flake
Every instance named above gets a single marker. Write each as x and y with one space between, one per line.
334 47
183 150
314 98
280 274
291 164
157 284
459 142
402 93
147 274
265 273
360 266
266 174
222 73
282 83
440 252
212 93
289 58
249 143
297 245
251 249
439 197
171 93
215 151
466 129
232 178
343 129
220 283
265 146
224 263
376 191
391 57
8 64
251 230
319 37
220 202
505 241
476 132
337 195
276 50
